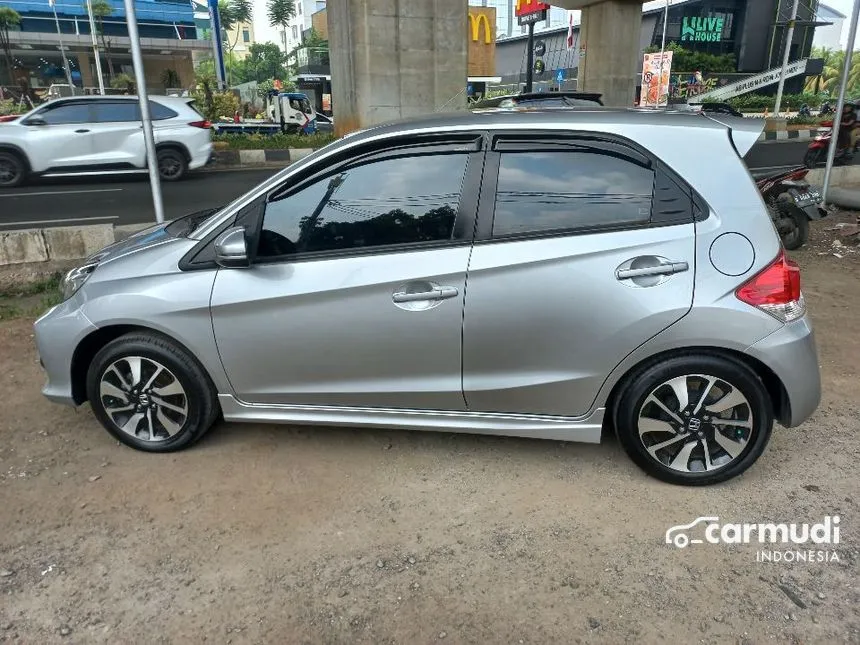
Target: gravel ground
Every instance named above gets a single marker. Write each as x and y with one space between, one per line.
276 534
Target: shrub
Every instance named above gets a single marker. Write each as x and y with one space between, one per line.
273 141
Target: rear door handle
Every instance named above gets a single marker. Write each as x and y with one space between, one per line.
81 131
667 268
442 293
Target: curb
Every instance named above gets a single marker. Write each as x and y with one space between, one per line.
789 135
283 156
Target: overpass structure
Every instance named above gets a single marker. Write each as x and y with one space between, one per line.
392 59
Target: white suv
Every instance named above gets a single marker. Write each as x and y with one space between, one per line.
102 134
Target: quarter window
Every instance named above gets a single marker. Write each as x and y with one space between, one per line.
570 190
403 200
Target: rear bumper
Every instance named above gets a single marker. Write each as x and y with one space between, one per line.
792 355
201 156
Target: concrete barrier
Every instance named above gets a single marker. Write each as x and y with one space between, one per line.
52 244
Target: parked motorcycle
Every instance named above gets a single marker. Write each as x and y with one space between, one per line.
816 153
804 110
792 203
826 109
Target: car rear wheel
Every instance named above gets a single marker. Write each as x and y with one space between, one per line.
695 419
13 170
150 393
171 164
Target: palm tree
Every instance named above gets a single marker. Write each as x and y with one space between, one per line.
280 12
102 9
828 80
8 18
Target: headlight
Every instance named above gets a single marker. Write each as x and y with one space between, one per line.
75 279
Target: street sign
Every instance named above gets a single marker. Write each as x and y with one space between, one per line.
559 78
532 18
540 48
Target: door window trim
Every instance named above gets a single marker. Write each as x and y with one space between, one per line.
529 141
251 214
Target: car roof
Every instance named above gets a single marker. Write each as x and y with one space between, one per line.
561 118
166 100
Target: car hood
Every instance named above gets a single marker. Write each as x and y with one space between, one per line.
140 240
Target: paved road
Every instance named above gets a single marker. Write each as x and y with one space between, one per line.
124 200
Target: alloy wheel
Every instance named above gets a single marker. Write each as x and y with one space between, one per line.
143 398
9 171
696 423
169 166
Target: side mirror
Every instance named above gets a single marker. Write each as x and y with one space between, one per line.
35 120
231 249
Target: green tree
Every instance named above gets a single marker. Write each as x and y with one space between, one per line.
101 10
280 12
9 18
828 80
684 60
264 61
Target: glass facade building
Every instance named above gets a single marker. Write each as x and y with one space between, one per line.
156 18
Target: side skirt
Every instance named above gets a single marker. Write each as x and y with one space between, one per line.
585 429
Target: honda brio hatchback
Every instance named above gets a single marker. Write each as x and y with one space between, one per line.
547 274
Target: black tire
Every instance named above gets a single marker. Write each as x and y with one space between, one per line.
13 169
199 397
812 158
794 230
650 378
172 165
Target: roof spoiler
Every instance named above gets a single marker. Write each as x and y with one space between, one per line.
744 132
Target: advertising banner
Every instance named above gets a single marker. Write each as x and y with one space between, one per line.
655 84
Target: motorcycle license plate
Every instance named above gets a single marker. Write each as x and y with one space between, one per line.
807 197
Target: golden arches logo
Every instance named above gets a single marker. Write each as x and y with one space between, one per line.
475 22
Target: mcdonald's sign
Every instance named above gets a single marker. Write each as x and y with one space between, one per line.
475 22
481 41
526 7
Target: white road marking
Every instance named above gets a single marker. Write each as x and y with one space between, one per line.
70 220
63 192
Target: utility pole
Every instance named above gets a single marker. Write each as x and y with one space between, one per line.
530 58
840 104
788 38
662 55
63 49
145 116
96 48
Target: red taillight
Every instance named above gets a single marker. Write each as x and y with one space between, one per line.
201 124
776 290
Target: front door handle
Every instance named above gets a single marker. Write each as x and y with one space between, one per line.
81 131
666 268
442 293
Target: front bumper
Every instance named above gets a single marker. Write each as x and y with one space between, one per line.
58 332
792 355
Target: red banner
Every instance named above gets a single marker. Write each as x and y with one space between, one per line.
526 7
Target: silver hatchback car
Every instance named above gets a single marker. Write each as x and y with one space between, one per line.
545 274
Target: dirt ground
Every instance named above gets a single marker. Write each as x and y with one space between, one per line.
272 534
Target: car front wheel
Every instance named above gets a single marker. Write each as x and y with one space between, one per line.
150 393
695 420
171 164
12 170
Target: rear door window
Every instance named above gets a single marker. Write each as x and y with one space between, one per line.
581 189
